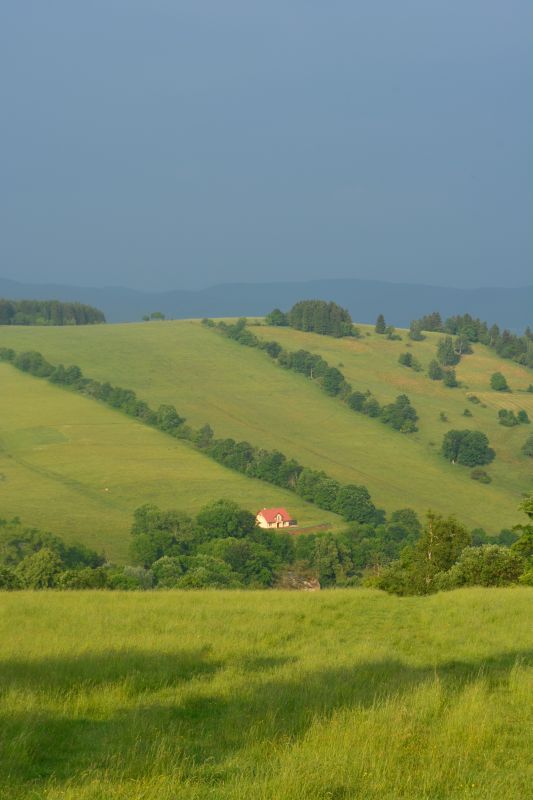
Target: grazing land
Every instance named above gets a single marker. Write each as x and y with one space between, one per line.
79 469
266 695
243 395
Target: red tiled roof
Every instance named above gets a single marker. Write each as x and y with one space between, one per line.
270 514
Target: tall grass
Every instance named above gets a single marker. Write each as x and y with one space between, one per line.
268 695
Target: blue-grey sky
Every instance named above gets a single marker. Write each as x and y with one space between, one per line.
178 143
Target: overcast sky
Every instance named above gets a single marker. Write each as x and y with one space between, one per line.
179 143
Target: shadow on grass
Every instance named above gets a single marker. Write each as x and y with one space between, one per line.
205 728
141 670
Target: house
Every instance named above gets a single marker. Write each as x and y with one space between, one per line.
274 518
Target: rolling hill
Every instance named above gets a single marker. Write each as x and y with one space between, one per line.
400 302
79 469
243 395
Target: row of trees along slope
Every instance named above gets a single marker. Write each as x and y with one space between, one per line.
351 501
400 414
48 312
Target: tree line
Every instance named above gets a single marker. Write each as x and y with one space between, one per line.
221 547
351 501
400 414
448 556
468 329
48 312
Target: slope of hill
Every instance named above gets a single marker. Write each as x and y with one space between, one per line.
79 469
242 394
266 695
400 302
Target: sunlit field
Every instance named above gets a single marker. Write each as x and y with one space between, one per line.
78 468
266 695
242 394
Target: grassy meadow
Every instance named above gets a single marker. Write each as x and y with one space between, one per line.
266 695
242 394
79 469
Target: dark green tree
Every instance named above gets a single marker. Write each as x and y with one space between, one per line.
467 447
354 504
498 382
277 318
446 354
157 533
415 331
527 447
435 371
508 418
449 378
206 572
333 381
380 326
168 419
39 570
224 518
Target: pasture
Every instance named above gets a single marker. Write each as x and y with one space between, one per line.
266 695
78 468
242 394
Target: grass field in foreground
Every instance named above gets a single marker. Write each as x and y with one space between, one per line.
73 466
266 696
244 395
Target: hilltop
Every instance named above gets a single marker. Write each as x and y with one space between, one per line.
400 302
242 394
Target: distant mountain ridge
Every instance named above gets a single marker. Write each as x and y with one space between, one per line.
399 302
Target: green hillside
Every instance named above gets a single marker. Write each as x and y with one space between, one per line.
266 695
75 467
242 394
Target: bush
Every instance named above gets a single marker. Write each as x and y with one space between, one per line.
400 415
408 360
371 407
449 378
480 475
435 370
527 447
488 565
206 572
507 417
356 400
276 318
498 382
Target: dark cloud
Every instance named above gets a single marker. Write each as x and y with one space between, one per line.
162 144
